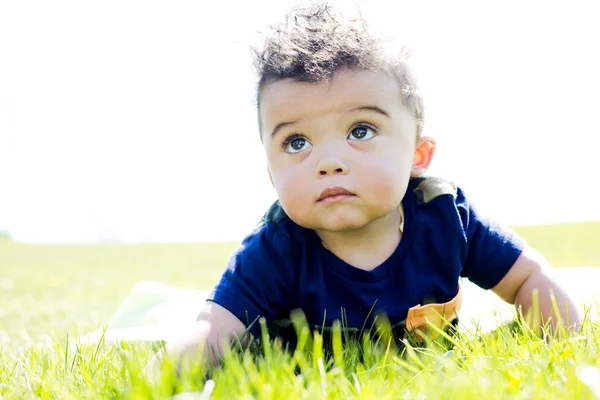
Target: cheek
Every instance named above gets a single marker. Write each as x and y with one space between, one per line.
387 176
293 188
384 183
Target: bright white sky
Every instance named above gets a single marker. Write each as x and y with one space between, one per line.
134 120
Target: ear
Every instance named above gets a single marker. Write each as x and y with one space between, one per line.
423 156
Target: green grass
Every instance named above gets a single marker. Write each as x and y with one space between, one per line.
51 294
565 245
52 290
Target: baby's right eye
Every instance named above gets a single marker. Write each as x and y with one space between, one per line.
296 144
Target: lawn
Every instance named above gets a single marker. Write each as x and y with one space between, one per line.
50 294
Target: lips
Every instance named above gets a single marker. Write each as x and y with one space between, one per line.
334 191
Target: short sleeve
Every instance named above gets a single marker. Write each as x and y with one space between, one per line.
492 249
259 279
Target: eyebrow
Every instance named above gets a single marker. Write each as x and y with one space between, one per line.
376 109
371 108
280 126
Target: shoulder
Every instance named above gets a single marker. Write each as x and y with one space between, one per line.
268 253
443 200
261 275
275 235
274 215
428 188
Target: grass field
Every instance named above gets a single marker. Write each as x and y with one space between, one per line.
48 292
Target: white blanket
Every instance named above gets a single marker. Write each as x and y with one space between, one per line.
154 311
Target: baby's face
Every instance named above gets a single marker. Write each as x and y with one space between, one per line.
339 153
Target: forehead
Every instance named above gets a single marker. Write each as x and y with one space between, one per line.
289 100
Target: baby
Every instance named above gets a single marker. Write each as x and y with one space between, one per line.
357 229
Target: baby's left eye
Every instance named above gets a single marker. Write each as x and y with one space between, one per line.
362 132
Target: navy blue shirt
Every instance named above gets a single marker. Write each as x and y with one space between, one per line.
282 266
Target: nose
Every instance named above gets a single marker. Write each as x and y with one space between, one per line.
331 166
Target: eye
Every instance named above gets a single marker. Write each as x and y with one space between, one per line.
362 132
295 144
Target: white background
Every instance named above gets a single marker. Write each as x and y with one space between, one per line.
135 120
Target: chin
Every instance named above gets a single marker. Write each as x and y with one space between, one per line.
339 224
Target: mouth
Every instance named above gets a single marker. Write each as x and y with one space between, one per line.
334 193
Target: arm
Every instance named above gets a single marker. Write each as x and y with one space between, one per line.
498 259
258 282
214 327
531 271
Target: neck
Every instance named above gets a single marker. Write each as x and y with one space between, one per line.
368 246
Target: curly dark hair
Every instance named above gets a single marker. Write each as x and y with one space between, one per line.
314 43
